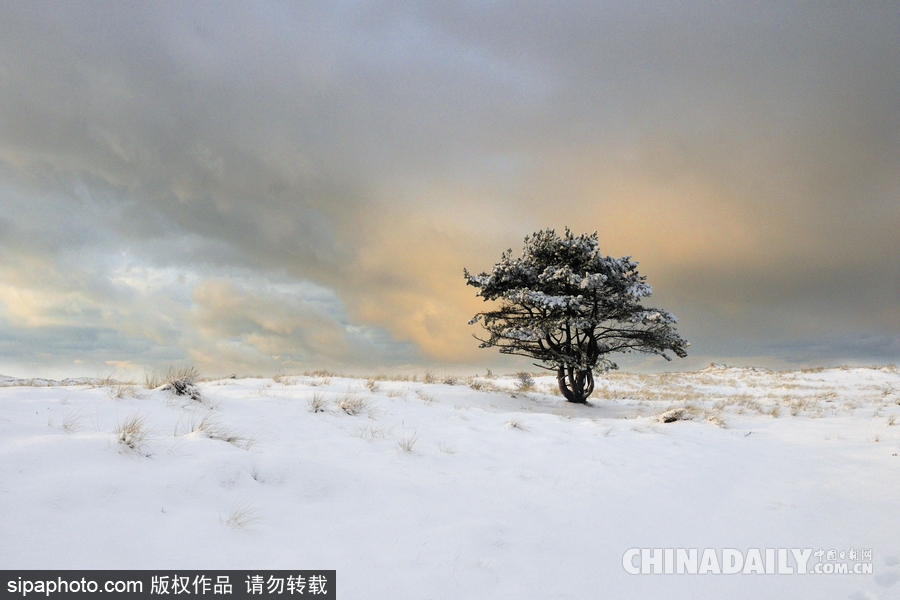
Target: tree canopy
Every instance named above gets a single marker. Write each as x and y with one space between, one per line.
568 306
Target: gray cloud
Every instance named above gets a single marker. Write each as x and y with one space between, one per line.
745 153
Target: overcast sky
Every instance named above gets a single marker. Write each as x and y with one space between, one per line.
264 187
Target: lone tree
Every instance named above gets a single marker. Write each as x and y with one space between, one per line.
568 306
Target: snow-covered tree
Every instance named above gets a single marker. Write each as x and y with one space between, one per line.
568 306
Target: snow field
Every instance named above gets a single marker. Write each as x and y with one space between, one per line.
427 490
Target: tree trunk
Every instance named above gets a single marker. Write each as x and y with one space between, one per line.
575 385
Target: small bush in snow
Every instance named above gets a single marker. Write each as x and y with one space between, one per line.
524 382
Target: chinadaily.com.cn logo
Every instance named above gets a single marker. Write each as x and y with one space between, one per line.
731 561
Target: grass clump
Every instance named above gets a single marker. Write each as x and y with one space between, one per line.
369 432
242 515
407 441
180 381
479 385
72 421
317 403
133 432
353 404
120 391
321 373
283 379
681 413
715 420
516 424
211 428
446 448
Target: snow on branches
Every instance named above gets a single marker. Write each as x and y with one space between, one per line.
568 306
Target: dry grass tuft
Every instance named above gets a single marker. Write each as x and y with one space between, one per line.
797 406
317 403
553 390
715 420
242 515
208 426
681 413
119 391
284 379
388 377
155 378
407 441
107 381
133 432
72 421
181 381
446 448
321 373
516 424
369 432
353 404
480 385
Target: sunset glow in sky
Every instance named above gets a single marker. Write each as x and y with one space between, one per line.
262 187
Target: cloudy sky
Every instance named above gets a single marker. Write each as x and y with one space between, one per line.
263 187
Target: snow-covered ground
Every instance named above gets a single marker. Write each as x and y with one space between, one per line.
431 490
